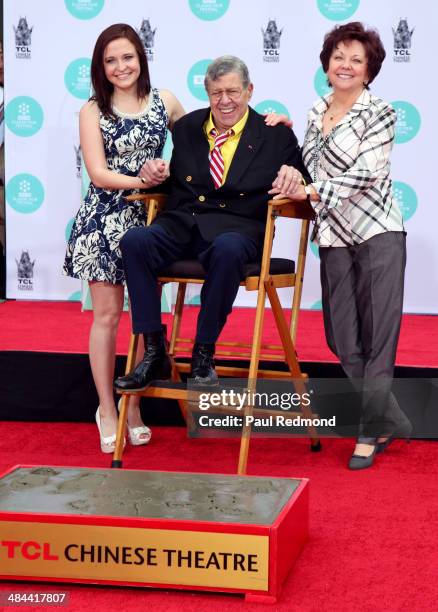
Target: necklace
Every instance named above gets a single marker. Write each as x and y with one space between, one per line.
337 115
333 115
142 107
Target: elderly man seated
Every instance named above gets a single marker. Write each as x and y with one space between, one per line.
225 161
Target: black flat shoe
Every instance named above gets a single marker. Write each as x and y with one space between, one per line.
360 462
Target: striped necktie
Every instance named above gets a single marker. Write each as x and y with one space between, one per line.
215 157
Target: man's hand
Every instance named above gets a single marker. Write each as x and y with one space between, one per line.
154 171
288 180
299 194
273 119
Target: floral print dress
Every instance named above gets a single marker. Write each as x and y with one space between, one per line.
93 252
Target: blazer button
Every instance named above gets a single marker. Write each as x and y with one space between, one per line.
188 178
222 205
201 198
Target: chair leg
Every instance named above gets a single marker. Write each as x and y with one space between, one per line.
252 378
256 339
176 377
299 275
123 413
176 326
291 358
177 317
121 431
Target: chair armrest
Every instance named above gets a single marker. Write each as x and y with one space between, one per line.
294 209
154 203
160 198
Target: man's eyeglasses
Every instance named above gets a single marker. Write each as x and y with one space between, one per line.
233 94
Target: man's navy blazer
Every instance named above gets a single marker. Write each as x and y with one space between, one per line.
240 204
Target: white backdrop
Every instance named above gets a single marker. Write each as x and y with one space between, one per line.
48 46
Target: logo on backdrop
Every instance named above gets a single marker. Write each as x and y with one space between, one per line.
195 79
402 41
209 10
271 42
25 272
406 199
147 35
338 10
77 78
24 193
24 116
23 39
408 121
271 106
320 82
84 9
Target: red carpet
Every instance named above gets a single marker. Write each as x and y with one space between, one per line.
374 534
62 327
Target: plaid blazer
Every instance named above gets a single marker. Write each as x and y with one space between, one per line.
350 171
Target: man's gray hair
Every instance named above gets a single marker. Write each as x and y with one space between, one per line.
224 65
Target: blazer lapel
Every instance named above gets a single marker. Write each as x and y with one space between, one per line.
248 147
362 103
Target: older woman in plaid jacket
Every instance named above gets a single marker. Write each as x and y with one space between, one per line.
359 228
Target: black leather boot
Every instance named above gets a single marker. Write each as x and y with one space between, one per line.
203 371
155 365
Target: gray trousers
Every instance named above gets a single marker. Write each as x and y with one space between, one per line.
362 299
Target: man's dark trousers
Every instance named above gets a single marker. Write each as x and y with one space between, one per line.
147 250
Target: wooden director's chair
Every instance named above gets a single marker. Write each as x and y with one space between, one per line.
265 277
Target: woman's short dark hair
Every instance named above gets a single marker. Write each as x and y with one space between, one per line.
374 50
103 89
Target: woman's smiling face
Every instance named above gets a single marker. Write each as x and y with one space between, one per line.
121 63
348 66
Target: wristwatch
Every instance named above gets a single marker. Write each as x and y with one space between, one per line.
310 192
308 189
